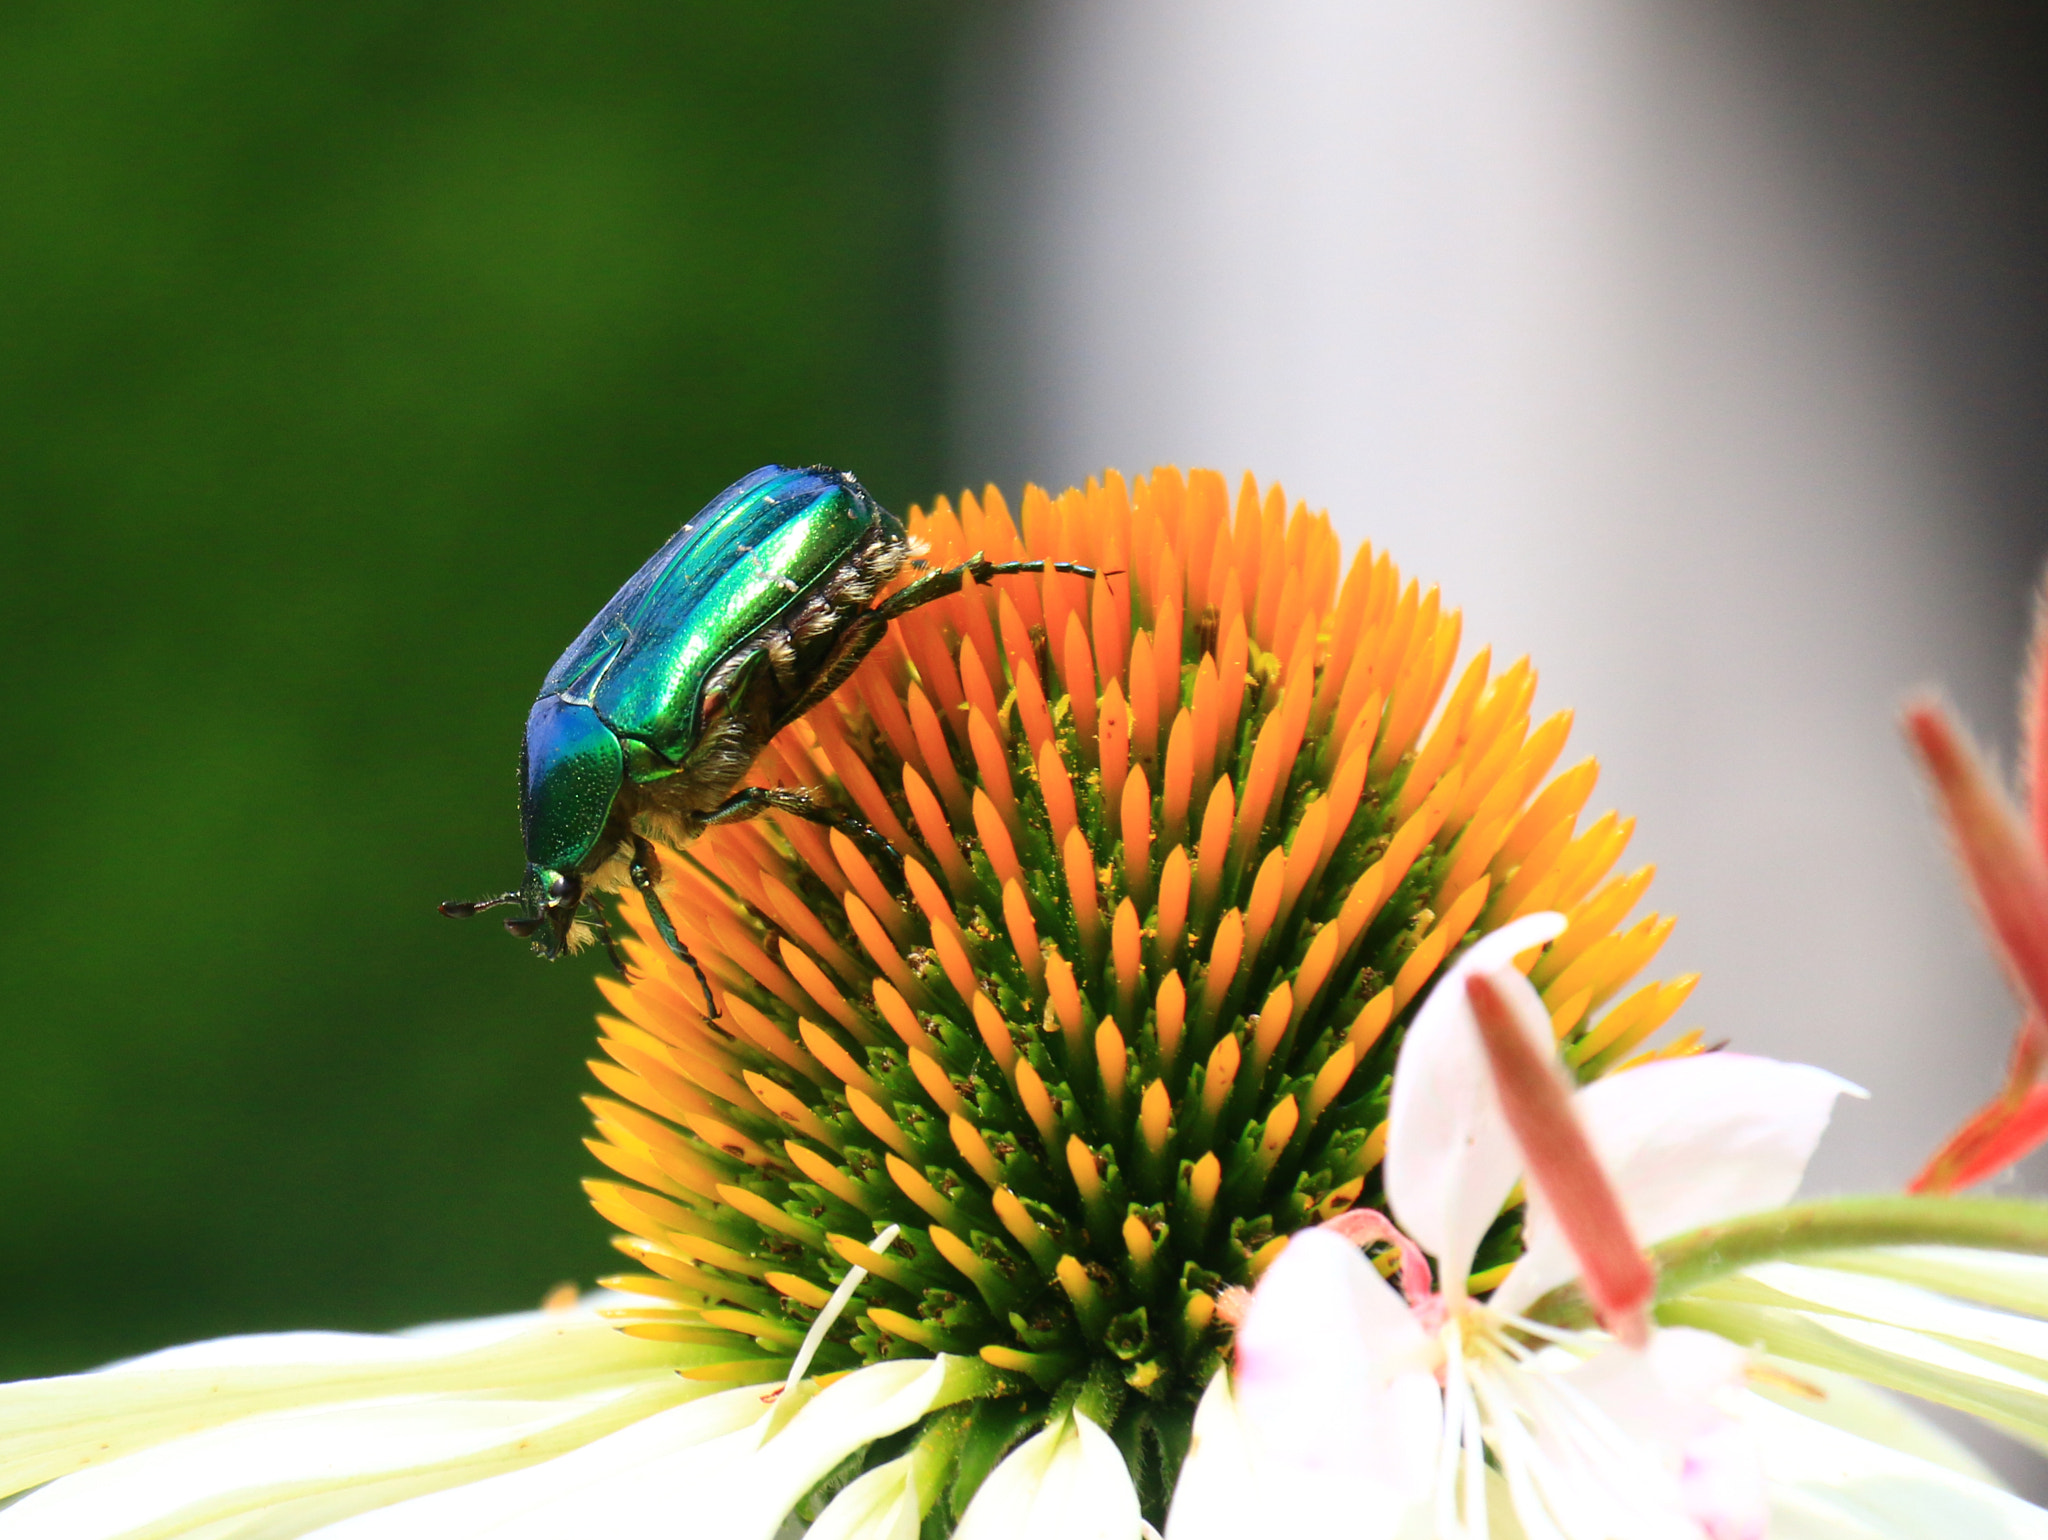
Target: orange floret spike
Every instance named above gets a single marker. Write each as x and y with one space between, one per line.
1110 623
1032 709
1329 1083
1037 1104
1135 824
1263 907
1304 858
1370 1022
931 1077
1056 790
1422 963
1077 669
1144 703
885 709
1279 1129
1213 853
937 754
1113 740
1170 1006
1126 950
885 956
973 1148
993 765
1232 660
1112 1064
1203 731
828 1176
1178 783
821 989
994 1031
1316 963
937 831
1023 929
995 839
1274 1017
860 784
1219 1079
897 1013
828 1052
1025 1230
977 636
1065 998
863 880
1167 643
1557 803
1224 956
1079 862
1176 876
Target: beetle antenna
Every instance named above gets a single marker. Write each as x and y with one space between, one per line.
603 925
461 909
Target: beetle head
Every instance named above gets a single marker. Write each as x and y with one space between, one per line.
551 899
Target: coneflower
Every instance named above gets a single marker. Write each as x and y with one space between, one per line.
1183 847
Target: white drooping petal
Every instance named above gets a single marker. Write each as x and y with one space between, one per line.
55 1427
1828 1484
1864 1411
880 1505
1334 1385
1067 1483
1217 1496
301 1469
702 1466
1451 1161
1686 1142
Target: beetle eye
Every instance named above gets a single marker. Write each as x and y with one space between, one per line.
558 888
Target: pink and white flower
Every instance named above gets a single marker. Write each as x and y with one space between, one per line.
1356 1408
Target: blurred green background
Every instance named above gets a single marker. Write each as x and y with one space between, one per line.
350 357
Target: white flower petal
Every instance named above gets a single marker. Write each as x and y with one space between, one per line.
880 1505
701 1466
1333 1384
2013 1337
322 1464
1067 1483
1687 1142
1827 1484
1217 1495
1863 1410
1451 1161
53 1427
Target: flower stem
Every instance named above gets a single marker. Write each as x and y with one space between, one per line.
1685 1262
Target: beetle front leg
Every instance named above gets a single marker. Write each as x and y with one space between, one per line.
644 869
937 585
753 801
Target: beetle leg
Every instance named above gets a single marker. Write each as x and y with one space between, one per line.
753 801
603 926
937 585
643 879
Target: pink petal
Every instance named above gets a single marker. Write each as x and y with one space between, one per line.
1451 1161
1334 1384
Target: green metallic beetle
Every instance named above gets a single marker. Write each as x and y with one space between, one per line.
758 608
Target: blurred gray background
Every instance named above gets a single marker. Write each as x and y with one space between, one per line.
1696 350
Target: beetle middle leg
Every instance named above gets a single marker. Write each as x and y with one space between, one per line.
753 801
603 927
644 878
